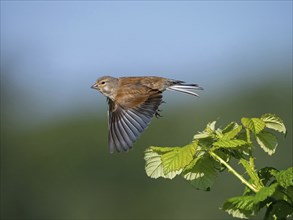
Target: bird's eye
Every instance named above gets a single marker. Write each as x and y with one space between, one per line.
103 82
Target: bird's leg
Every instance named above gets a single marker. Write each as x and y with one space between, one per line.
157 114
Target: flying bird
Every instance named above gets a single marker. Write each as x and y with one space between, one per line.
133 102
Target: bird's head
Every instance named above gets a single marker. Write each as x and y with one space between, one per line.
106 85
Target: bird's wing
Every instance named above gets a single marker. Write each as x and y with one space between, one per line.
127 123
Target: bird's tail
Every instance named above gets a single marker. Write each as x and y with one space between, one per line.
181 86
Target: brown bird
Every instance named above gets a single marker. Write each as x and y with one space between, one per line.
133 101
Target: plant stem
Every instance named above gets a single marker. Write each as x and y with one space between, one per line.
241 178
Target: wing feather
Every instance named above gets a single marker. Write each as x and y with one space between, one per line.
127 124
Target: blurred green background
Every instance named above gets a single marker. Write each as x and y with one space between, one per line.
55 162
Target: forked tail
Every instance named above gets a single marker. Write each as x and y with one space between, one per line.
181 86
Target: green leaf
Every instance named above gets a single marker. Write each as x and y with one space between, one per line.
255 125
207 133
206 142
154 166
248 205
285 177
279 210
211 127
289 194
250 170
274 122
265 192
266 174
232 133
201 135
267 141
178 158
229 143
230 127
202 174
161 149
241 206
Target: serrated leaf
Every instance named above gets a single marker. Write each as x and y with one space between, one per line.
254 178
248 205
274 122
289 194
219 133
210 129
266 174
255 125
229 143
202 174
161 149
265 192
211 126
230 127
206 142
267 141
279 210
285 177
231 134
241 206
201 135
178 158
154 166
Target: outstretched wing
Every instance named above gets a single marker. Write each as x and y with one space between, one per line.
127 123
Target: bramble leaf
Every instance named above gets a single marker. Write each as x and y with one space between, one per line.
161 149
255 125
211 127
241 206
265 192
229 143
267 141
203 174
285 177
266 174
249 205
210 153
289 194
279 210
230 127
274 122
232 133
154 166
201 135
250 170
205 142
207 133
178 158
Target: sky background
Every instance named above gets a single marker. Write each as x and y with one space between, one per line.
52 52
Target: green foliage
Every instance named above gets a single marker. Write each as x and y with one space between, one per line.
267 141
285 177
178 158
210 153
255 125
274 122
201 173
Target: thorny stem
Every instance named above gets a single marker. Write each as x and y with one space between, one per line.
244 181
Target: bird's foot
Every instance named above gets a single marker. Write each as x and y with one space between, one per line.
157 114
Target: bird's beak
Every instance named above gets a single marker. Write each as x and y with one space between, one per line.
94 86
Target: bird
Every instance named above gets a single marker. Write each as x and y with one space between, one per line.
132 103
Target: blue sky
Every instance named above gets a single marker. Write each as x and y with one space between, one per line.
57 49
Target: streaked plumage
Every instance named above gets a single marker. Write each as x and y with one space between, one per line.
133 101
